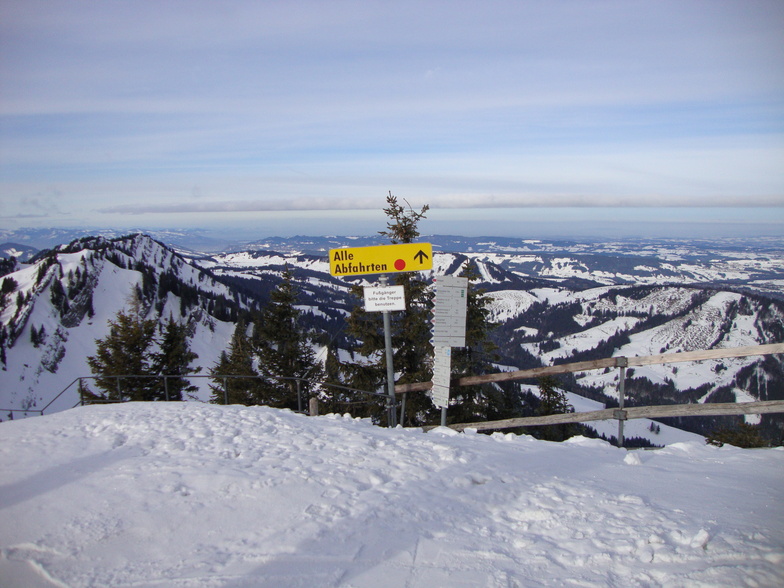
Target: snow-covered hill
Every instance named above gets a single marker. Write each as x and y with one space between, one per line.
69 294
193 495
756 264
552 325
22 253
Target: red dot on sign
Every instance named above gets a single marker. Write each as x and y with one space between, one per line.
400 265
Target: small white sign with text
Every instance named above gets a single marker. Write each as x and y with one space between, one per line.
384 298
449 311
442 374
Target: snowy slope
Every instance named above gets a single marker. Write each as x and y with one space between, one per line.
192 495
684 319
34 375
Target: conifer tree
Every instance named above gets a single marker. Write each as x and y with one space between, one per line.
37 336
174 358
58 297
743 435
552 400
236 361
8 285
283 348
334 398
126 350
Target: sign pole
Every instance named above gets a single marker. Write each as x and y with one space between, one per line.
383 281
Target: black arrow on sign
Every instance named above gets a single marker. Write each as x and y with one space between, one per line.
421 256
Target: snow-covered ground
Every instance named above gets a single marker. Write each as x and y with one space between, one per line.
186 494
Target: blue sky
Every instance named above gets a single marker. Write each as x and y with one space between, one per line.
575 117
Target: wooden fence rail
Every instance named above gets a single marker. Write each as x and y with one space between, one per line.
632 412
598 364
620 414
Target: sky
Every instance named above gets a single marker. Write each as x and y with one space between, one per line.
621 118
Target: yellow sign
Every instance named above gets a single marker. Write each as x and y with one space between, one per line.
381 259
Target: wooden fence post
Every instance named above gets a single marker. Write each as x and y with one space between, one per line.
622 362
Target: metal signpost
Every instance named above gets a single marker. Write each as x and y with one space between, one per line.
383 259
449 330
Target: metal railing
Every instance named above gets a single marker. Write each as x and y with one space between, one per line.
83 399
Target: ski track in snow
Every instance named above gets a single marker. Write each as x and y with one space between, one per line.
183 494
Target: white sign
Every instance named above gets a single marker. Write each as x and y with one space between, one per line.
449 311
384 298
442 374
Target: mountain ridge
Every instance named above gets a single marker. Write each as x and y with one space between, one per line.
543 319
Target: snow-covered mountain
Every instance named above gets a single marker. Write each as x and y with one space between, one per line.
551 326
581 311
47 238
755 264
22 253
740 263
559 319
56 307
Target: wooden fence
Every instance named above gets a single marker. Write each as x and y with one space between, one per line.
620 414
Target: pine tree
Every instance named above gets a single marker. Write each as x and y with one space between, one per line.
37 336
334 398
743 435
236 361
284 349
58 297
8 285
552 400
126 350
174 359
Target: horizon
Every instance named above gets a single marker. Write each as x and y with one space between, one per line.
218 239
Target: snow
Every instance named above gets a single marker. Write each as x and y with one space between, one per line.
188 494
583 340
37 376
507 304
666 435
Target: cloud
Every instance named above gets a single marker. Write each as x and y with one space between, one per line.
274 106
443 202
218 206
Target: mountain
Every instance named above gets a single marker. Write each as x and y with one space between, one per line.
22 253
754 265
553 303
551 320
184 239
61 302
